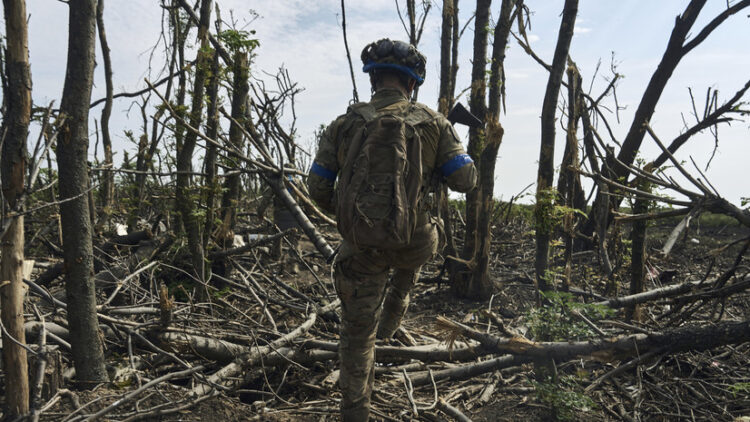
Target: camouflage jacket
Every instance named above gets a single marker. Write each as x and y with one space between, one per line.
443 156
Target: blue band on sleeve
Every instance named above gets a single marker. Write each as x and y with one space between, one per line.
322 171
455 163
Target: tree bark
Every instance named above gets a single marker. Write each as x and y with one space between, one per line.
479 285
231 197
478 107
461 271
212 152
13 170
185 204
72 155
681 339
445 103
638 259
108 182
445 99
544 195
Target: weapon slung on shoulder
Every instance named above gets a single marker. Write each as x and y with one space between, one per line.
461 115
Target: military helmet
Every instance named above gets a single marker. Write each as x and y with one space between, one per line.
396 55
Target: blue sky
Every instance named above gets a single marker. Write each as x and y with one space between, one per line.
305 37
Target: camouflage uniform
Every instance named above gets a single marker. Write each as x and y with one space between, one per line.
361 276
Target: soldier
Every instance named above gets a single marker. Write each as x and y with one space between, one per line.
361 274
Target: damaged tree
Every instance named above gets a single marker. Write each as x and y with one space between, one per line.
15 129
72 159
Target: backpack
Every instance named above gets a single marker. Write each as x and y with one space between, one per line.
380 183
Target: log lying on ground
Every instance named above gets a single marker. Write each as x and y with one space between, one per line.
667 291
224 351
205 347
467 371
227 376
681 339
424 353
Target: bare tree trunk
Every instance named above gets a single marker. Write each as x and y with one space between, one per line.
461 272
479 284
180 38
638 259
445 103
108 181
445 99
72 150
478 106
240 90
568 183
212 153
13 170
355 94
454 51
186 204
544 195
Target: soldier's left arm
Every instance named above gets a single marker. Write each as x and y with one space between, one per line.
454 164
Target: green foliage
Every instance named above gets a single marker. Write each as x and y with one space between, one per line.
564 397
740 389
218 294
548 214
744 202
555 320
238 40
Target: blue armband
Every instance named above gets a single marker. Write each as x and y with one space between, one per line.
455 163
323 172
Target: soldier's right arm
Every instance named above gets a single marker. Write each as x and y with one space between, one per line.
325 168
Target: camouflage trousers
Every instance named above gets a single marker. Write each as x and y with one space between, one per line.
371 304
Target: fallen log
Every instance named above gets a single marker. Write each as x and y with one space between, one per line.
674 290
227 377
224 351
681 339
660 293
467 371
205 347
424 353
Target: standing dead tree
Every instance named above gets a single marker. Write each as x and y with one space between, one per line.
72 157
460 271
476 283
545 196
677 48
15 129
355 94
107 189
185 200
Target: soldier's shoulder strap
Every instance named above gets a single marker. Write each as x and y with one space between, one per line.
365 110
418 114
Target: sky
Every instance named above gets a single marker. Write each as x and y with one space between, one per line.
305 37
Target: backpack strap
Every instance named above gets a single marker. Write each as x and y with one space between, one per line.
416 116
365 110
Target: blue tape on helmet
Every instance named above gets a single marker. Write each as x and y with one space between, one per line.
455 163
322 171
405 69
